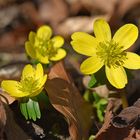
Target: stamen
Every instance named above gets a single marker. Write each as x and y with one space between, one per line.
28 84
45 47
111 53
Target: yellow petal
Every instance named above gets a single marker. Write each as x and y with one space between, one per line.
41 82
102 30
58 41
91 65
36 92
28 71
126 35
42 59
116 76
32 37
132 61
61 53
30 49
44 33
40 85
39 71
84 43
11 87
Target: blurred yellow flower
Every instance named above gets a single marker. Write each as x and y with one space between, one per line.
105 50
44 48
31 83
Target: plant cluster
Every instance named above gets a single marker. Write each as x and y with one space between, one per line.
107 62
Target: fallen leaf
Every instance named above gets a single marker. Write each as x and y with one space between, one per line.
53 11
2 119
65 98
79 23
122 9
128 116
125 6
124 126
12 131
107 120
12 41
138 134
100 6
6 98
12 71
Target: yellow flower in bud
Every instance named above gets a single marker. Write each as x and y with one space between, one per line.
31 83
44 48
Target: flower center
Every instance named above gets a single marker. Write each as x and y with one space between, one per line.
111 53
28 84
45 47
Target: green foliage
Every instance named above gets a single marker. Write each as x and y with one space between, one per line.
42 97
101 77
92 81
100 105
97 79
91 137
88 96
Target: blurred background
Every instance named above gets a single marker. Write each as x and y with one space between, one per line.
19 17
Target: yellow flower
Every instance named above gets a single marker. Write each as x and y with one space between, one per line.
44 48
31 83
105 50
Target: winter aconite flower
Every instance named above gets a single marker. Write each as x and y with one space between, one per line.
105 50
31 83
44 48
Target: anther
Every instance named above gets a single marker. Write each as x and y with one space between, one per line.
111 53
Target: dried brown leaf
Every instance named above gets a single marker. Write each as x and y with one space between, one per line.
128 116
53 11
123 8
107 120
138 134
79 23
126 5
2 119
101 6
6 98
65 97
13 40
123 126
12 130
12 71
